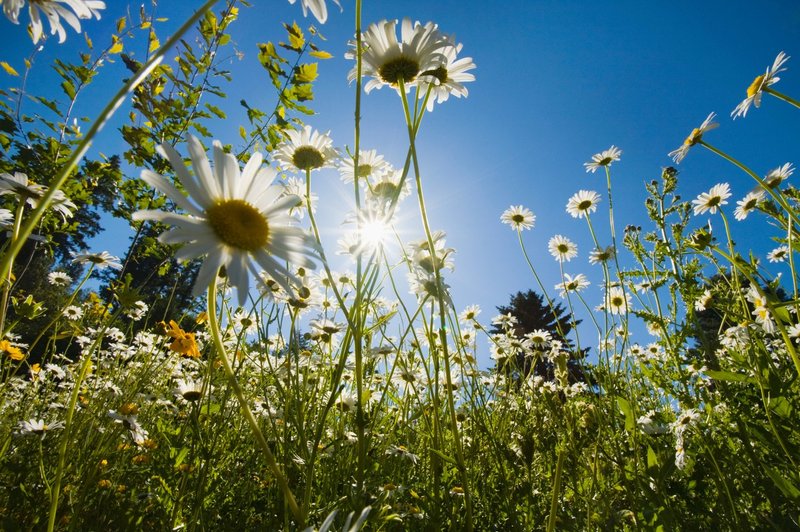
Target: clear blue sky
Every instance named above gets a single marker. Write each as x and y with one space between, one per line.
557 81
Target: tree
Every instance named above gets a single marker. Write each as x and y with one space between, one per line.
533 313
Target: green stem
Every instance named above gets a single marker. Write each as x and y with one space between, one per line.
775 195
7 277
551 521
437 265
782 96
248 414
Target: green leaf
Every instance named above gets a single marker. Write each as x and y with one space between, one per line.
117 46
727 376
652 458
444 457
781 406
8 68
69 89
784 484
625 407
306 73
181 456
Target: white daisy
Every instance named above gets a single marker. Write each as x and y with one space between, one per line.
518 217
59 279
448 78
19 185
562 248
600 255
38 426
100 260
604 158
383 189
6 218
703 301
370 165
317 8
779 254
572 284
583 203
305 150
54 12
297 188
539 338
234 217
73 313
388 61
189 389
694 137
758 85
778 175
469 314
712 200
617 301
748 204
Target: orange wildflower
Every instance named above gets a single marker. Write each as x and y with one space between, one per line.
183 342
14 353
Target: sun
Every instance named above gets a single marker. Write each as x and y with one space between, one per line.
374 233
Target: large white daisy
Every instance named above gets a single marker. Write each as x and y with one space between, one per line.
236 218
387 60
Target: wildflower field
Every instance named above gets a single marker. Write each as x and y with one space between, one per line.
229 373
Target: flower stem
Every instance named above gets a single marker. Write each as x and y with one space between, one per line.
7 276
775 195
248 414
551 521
783 97
412 131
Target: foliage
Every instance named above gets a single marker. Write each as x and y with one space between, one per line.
334 398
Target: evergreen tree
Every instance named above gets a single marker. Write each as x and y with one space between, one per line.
533 312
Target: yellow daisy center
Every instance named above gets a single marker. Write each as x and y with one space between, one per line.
616 301
755 87
440 73
364 170
694 137
192 395
605 161
307 158
238 224
517 218
384 189
401 67
585 204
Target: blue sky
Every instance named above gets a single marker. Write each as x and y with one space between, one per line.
557 81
